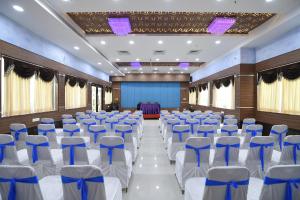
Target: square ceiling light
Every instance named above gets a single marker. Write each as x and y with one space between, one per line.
120 26
220 25
135 65
184 65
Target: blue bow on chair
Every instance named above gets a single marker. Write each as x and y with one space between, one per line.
211 123
123 132
81 184
69 123
89 124
173 124
248 123
34 154
261 151
130 123
72 132
45 132
279 136
180 133
111 124
296 147
288 188
72 150
192 126
13 181
205 133
96 134
110 150
227 148
253 132
2 149
197 151
229 184
100 119
230 133
47 122
18 132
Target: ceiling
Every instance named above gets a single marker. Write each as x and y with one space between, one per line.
50 19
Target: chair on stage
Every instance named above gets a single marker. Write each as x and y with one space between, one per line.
290 154
19 132
279 132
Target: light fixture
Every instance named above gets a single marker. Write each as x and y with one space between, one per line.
76 48
128 72
157 59
125 68
118 59
269 1
184 65
99 63
137 59
197 59
181 72
160 42
18 8
141 69
220 25
111 72
177 59
155 72
131 42
218 41
142 72
168 72
66 0
157 187
185 69
155 68
103 42
120 26
171 68
189 42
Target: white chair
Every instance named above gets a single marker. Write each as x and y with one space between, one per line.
193 161
229 183
75 152
96 132
100 119
21 183
135 129
246 122
66 116
19 132
48 130
229 117
281 182
83 117
47 121
125 131
230 121
207 131
208 112
169 129
201 118
78 114
115 160
44 160
86 123
69 121
227 151
88 112
279 132
259 155
8 151
71 130
229 130
213 122
290 154
177 141
164 123
110 124
93 185
250 132
193 123
183 118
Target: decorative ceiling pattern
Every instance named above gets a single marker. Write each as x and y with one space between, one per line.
159 64
168 22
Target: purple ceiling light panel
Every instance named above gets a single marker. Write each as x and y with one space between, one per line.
120 26
135 65
184 64
220 25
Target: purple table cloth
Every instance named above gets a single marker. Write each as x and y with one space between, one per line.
150 108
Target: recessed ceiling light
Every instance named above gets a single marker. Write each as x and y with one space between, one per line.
218 41
181 72
171 68
103 42
219 0
142 72
168 72
155 68
177 59
128 72
99 63
76 48
118 59
111 72
185 69
125 69
197 59
141 69
137 59
66 0
131 42
269 1
160 42
155 72
157 59
189 42
18 8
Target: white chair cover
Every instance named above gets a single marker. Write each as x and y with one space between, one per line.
135 129
214 187
201 118
19 132
83 117
45 161
8 151
230 121
71 130
279 132
100 119
75 152
177 141
69 121
78 115
66 116
115 160
183 118
125 131
49 131
291 150
186 112
86 123
282 182
110 124
213 122
246 122
32 189
229 117
229 130
96 132
252 131
259 156
47 121
194 161
164 123
193 123
169 128
98 187
208 112
227 151
207 131
88 112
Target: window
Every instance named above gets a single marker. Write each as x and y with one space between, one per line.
203 95
224 93
75 93
192 96
26 88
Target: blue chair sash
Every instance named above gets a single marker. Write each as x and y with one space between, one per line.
89 124
179 133
205 133
173 124
248 123
12 193
197 151
227 148
211 123
81 184
288 188
18 132
131 124
192 126
123 132
254 132
45 132
230 123
96 134
69 123
100 119
72 131
230 133
72 150
2 149
110 150
47 122
34 154
280 139
111 124
229 184
261 152
296 147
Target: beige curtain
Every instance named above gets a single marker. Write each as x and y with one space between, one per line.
203 97
16 95
108 97
224 97
193 97
75 97
44 95
291 96
268 96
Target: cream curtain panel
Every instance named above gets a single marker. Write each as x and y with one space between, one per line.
193 97
203 97
224 97
108 97
45 89
291 96
75 97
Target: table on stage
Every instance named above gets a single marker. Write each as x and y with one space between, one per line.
150 108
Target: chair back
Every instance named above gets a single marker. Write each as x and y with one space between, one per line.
83 117
229 130
88 112
112 150
197 151
124 131
96 132
66 116
69 121
90 176
193 123
71 130
100 118
252 131
47 130
19 132
246 122
8 150
212 121
86 123
47 121
229 117
201 118
38 149
111 123
279 132
74 151
227 151
180 133
291 150
224 182
230 121
207 131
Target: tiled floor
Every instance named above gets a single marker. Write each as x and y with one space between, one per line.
153 177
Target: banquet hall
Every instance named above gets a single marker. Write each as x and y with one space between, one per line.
149 100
